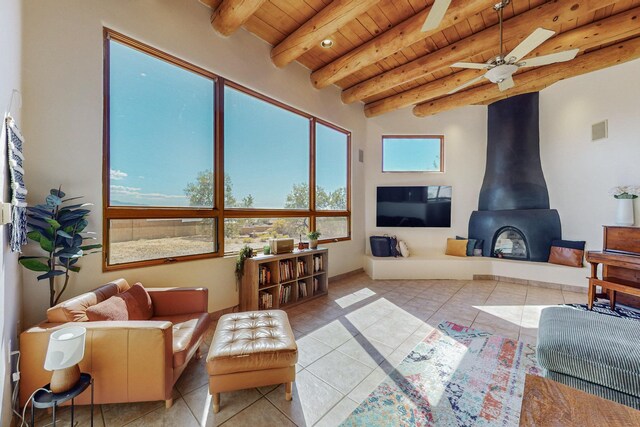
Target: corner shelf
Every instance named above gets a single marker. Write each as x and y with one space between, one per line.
284 280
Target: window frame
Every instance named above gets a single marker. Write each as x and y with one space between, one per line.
440 137
218 212
312 213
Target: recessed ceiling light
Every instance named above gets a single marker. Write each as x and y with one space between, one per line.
326 43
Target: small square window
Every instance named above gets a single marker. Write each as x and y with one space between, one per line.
413 153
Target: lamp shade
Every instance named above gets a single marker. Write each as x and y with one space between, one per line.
66 348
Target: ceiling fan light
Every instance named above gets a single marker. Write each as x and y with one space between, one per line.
501 72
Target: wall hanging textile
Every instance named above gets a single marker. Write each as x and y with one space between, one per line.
15 140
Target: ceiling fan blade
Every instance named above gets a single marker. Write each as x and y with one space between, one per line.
467 84
535 39
474 65
506 84
436 14
563 56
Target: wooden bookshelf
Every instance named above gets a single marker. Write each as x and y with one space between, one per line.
280 281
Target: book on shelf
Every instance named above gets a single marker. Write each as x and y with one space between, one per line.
286 270
265 300
302 290
285 294
264 275
316 285
317 263
302 268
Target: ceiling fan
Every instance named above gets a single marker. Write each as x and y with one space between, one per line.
436 14
500 69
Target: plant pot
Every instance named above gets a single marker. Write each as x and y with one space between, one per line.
313 244
624 212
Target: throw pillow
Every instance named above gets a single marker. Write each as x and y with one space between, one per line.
456 247
133 304
471 244
567 252
404 249
393 246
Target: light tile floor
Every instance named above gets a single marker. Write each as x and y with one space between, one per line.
348 341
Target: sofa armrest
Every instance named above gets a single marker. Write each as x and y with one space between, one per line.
130 361
173 301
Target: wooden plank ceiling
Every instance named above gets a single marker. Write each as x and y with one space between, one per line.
381 57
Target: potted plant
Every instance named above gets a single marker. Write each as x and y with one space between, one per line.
498 253
313 239
245 252
59 228
625 195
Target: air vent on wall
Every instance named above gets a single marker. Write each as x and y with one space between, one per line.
599 130
361 156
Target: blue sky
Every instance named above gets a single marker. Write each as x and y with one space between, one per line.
162 134
410 154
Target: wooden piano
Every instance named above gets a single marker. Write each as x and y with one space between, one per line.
620 259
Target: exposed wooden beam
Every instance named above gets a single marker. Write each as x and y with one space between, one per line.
326 22
231 14
402 35
608 30
536 79
551 15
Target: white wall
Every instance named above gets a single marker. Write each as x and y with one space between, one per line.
63 95
465 142
580 172
10 79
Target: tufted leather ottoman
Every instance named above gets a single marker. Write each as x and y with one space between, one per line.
251 349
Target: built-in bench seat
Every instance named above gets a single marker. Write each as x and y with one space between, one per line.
440 266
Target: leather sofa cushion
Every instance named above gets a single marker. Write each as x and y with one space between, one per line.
74 309
187 331
132 304
252 341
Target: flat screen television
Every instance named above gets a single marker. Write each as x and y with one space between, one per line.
426 206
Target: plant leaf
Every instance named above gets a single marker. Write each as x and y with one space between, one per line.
72 198
75 269
63 234
33 264
57 192
69 253
89 247
34 235
53 200
51 273
46 244
52 222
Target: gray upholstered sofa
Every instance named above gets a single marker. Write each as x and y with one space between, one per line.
593 352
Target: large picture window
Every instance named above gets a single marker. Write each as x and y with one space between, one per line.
285 172
170 194
412 153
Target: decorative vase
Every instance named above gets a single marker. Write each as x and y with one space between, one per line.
624 213
313 244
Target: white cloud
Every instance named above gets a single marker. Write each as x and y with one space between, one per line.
135 193
117 175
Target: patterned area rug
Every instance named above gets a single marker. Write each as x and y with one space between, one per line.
456 376
603 307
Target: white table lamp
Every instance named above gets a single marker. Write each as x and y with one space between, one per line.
65 351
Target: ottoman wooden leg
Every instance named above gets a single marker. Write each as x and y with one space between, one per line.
216 403
288 387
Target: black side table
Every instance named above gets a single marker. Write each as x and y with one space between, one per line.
48 399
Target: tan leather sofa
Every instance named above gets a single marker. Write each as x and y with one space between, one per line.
130 361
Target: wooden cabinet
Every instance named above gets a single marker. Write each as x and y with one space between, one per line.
620 261
278 281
